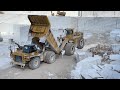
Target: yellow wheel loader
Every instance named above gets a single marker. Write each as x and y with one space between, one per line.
38 51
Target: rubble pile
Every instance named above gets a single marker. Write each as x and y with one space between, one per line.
105 50
104 63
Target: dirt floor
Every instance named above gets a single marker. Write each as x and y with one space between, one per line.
58 70
61 69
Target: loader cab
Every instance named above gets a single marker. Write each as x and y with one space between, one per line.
29 48
69 31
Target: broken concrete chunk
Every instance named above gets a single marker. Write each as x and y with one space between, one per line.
106 72
96 67
117 38
108 66
101 50
109 74
79 55
115 48
115 57
114 33
90 74
76 57
115 75
101 66
88 62
116 68
83 66
75 74
115 62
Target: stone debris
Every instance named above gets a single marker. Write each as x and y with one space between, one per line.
80 55
101 50
103 64
117 38
116 48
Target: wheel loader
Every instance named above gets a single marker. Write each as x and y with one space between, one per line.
33 54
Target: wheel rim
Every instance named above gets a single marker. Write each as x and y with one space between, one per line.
36 63
52 58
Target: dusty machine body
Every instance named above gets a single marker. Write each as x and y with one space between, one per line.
40 27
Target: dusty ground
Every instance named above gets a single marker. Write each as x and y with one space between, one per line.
61 69
58 70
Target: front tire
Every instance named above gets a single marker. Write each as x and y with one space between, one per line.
34 63
50 57
80 44
69 49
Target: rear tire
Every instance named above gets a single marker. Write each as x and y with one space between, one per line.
69 49
50 57
34 63
80 44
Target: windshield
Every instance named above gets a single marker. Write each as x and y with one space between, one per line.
26 49
68 32
29 49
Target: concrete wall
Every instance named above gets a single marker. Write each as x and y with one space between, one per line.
99 28
98 24
63 22
68 13
99 14
94 25
10 31
19 25
71 13
24 29
57 24
16 32
6 30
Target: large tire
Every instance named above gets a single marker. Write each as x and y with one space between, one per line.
34 63
80 44
50 57
69 49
